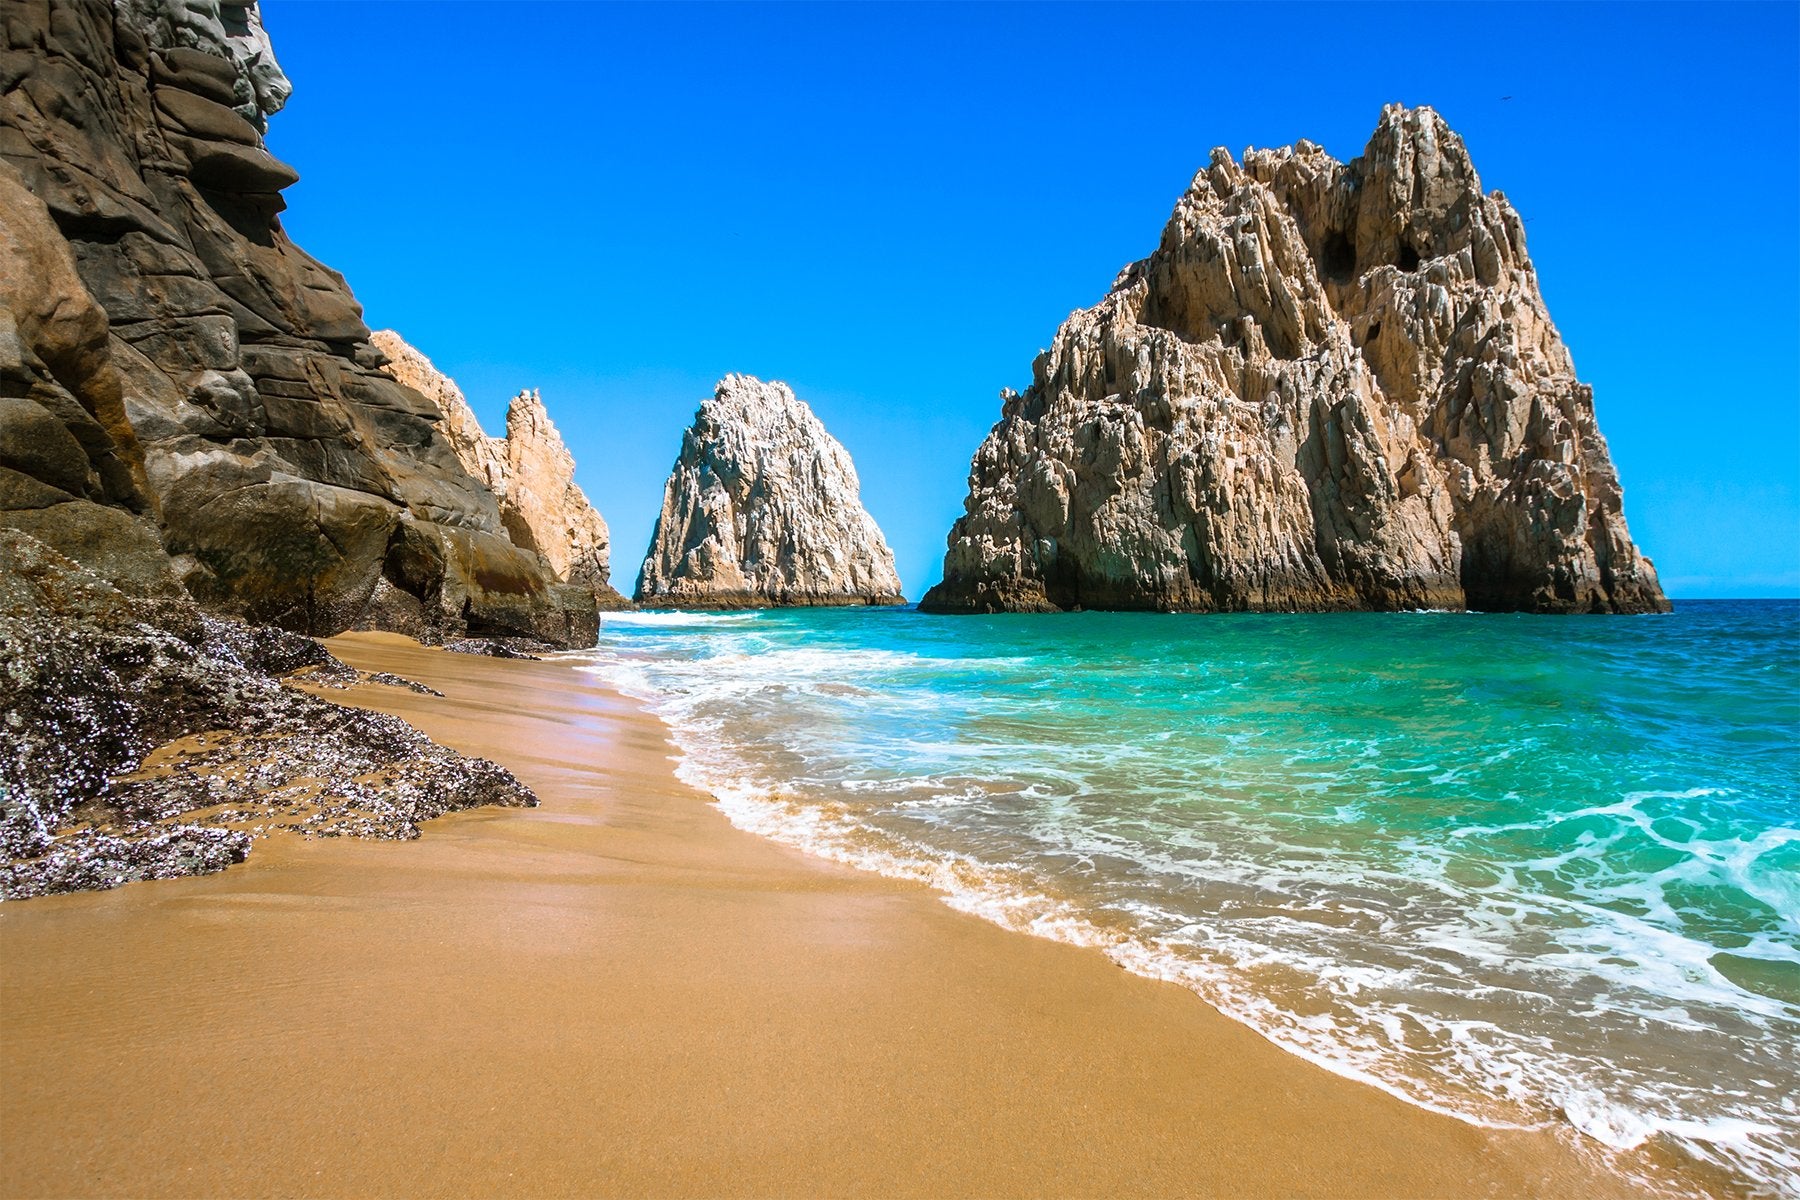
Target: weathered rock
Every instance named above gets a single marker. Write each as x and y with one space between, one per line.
188 40
763 509
523 648
529 471
1332 386
218 382
145 739
71 469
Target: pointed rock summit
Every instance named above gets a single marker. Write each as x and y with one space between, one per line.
529 471
763 509
1332 386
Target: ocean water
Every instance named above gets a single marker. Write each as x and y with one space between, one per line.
1534 871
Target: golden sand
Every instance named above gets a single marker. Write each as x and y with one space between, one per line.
620 994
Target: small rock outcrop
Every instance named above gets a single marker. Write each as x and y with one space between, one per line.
763 509
530 472
1332 386
189 398
143 738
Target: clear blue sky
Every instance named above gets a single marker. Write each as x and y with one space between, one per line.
892 208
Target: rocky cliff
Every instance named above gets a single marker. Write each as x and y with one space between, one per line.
529 471
1331 386
763 509
188 399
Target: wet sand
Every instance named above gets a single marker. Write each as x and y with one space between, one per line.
620 994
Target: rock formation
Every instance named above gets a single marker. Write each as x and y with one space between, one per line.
529 471
92 680
763 509
71 469
1332 386
173 369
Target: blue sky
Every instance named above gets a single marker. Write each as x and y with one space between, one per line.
892 208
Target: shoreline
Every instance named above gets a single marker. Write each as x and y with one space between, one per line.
620 992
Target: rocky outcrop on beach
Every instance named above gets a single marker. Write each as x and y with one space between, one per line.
189 400
1331 386
146 738
763 509
530 472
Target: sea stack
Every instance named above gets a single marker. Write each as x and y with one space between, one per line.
1332 386
530 472
191 402
763 509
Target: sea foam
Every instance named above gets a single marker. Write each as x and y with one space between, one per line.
1463 867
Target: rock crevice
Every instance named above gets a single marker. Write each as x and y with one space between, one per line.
1331 386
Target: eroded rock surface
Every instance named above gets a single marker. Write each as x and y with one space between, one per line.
763 509
146 739
71 469
1332 386
530 472
215 387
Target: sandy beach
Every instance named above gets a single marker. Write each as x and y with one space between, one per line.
618 993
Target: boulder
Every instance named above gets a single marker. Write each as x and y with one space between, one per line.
71 469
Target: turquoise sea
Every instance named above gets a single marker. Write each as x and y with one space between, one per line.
1525 870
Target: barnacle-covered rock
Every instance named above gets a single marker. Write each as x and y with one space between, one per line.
143 738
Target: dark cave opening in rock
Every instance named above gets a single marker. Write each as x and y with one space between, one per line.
1408 259
1337 257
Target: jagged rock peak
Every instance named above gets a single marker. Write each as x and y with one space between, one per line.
1331 386
192 401
763 509
530 472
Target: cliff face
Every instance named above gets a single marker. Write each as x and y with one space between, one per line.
529 471
1332 386
71 470
763 509
174 369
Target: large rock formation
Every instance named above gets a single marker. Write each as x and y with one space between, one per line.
1332 386
172 367
763 509
529 471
